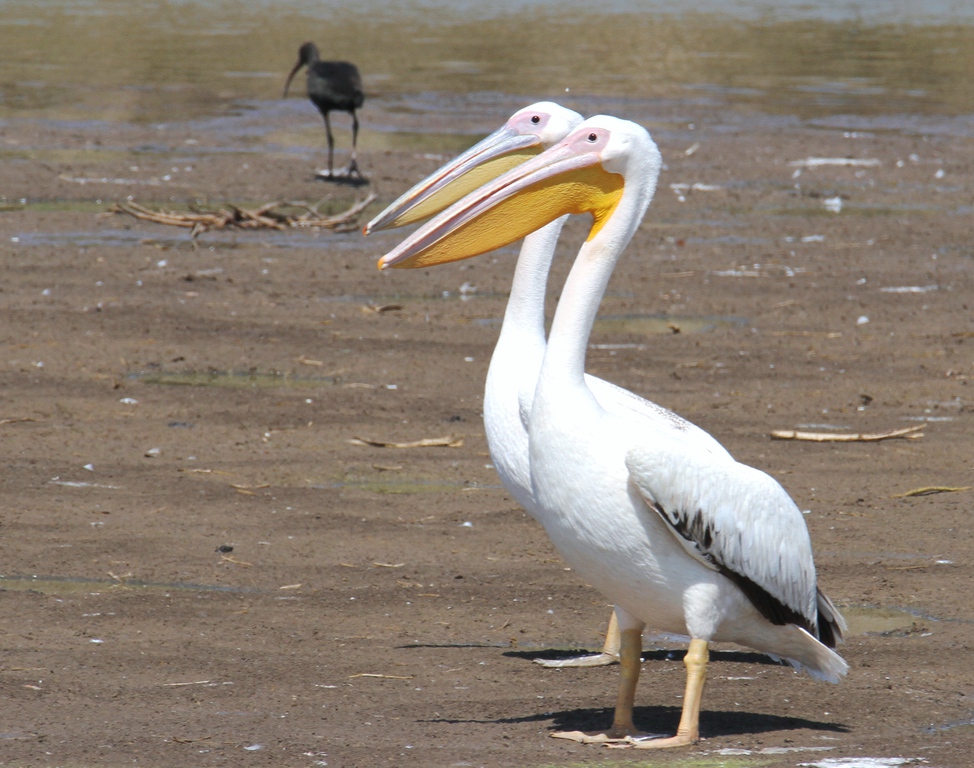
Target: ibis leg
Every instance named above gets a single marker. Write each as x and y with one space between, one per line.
353 166
331 144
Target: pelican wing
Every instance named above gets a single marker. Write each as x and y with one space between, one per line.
736 519
622 402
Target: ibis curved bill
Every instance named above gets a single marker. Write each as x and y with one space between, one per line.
690 542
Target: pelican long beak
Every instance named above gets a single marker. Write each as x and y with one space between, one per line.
567 178
504 149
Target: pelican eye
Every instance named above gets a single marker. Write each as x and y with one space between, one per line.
535 119
592 137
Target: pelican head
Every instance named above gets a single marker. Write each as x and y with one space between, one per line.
586 172
524 135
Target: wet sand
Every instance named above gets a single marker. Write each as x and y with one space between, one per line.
201 567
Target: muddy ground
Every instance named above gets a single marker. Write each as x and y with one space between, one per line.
201 568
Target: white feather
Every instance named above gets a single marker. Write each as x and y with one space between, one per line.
756 530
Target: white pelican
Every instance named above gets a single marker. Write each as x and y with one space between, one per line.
688 542
516 361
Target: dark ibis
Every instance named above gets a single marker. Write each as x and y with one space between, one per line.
332 85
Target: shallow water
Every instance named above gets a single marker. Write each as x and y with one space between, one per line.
881 621
428 66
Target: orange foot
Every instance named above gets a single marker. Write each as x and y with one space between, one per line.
653 742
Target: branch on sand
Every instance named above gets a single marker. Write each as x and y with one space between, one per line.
268 216
450 441
929 490
908 433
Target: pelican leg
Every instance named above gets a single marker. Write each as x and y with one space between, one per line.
609 654
623 731
630 661
688 731
613 638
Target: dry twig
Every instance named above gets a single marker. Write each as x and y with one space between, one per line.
381 308
909 433
383 677
822 334
249 489
180 685
268 216
929 490
20 420
235 561
450 441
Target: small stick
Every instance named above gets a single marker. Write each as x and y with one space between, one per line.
338 219
384 677
179 685
909 433
823 334
381 308
311 209
243 217
929 490
235 561
449 441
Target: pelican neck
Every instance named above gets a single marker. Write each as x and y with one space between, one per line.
524 315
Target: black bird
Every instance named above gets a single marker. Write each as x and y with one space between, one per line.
332 85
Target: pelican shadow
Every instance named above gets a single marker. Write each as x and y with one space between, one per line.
663 719
675 654
714 723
